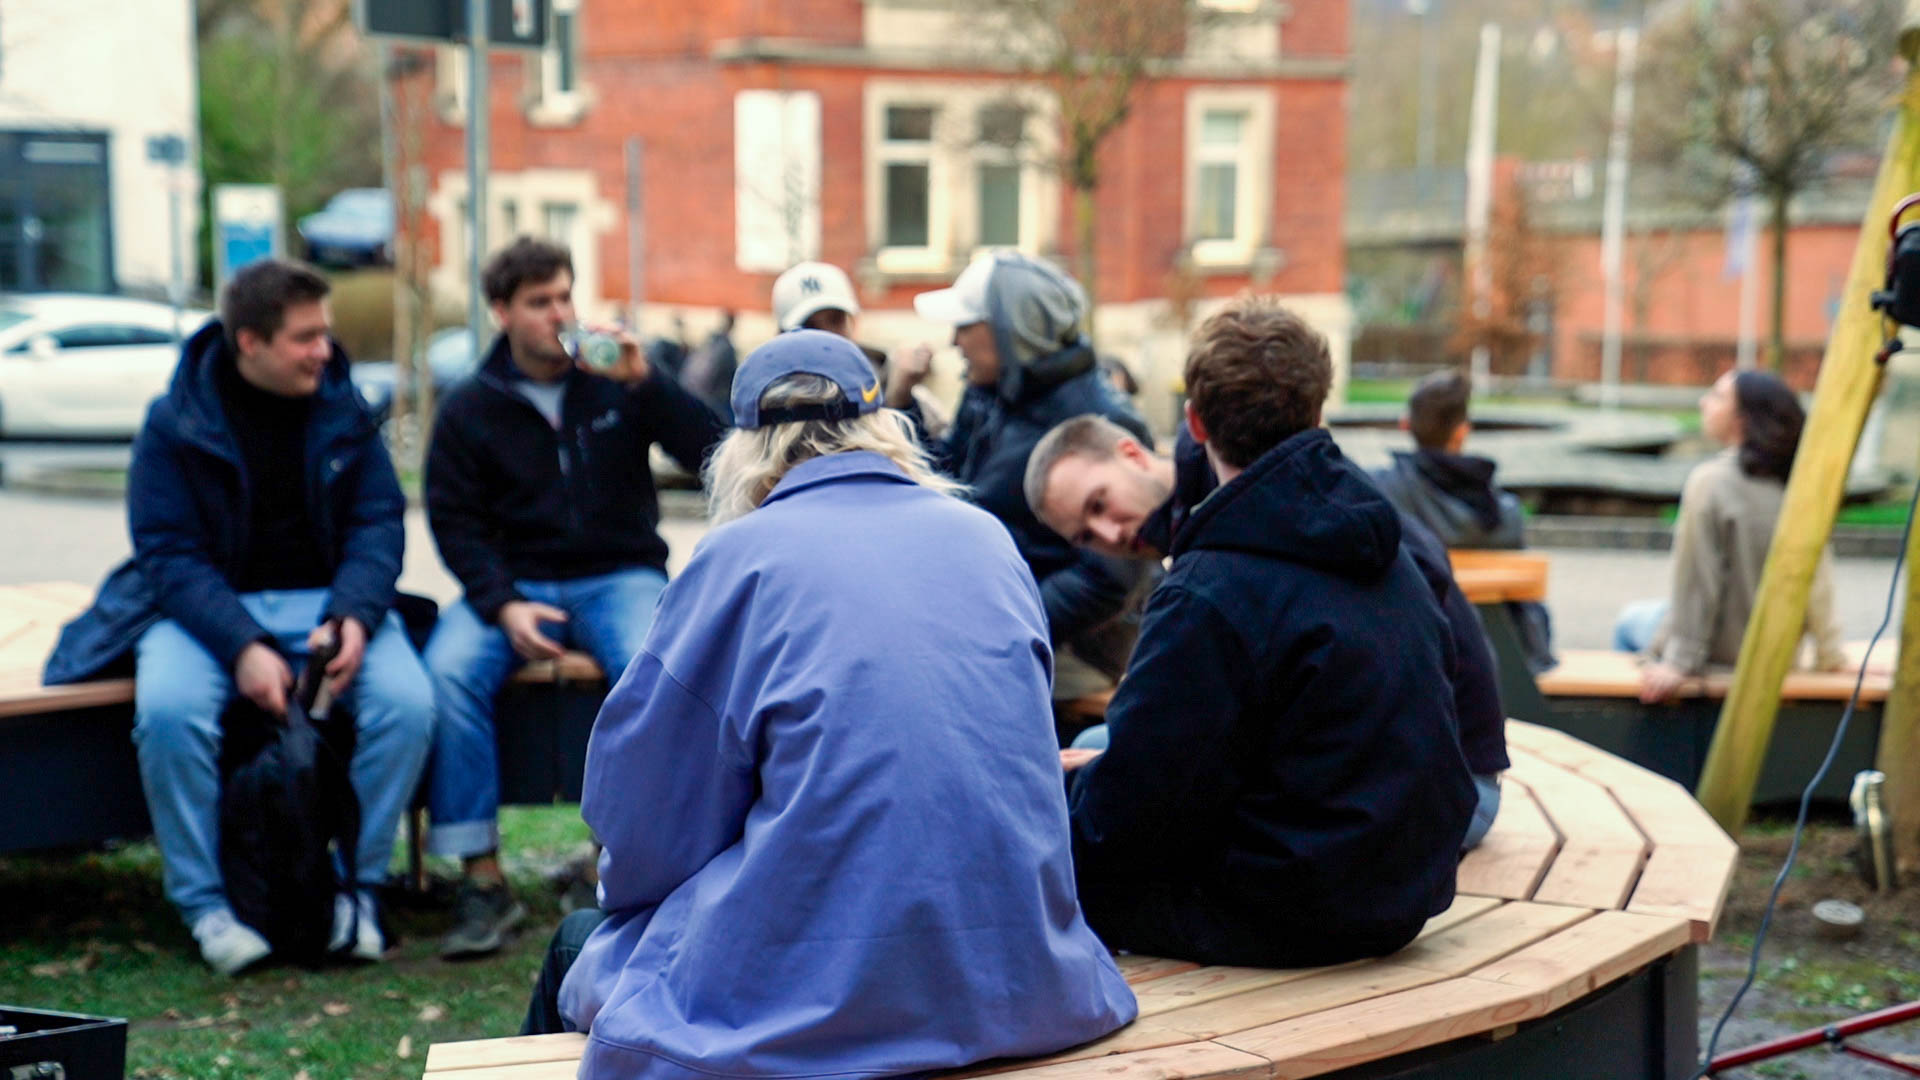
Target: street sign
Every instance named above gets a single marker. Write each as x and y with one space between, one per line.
166 149
511 24
247 221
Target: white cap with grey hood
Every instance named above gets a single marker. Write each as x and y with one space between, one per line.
1035 311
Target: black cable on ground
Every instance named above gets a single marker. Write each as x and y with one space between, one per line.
1806 797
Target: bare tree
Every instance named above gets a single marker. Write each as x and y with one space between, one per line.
1094 55
1762 94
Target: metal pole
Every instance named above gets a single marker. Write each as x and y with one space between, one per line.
1614 224
636 230
1423 136
390 175
478 154
176 270
1480 142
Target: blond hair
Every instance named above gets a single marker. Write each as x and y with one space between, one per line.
750 463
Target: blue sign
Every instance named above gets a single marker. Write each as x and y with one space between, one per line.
242 243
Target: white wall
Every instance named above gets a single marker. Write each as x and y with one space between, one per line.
126 68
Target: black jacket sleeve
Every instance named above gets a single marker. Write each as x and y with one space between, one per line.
1170 771
682 424
1086 593
172 545
375 537
463 529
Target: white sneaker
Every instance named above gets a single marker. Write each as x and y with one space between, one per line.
367 942
228 945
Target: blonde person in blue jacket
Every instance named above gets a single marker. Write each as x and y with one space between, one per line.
828 785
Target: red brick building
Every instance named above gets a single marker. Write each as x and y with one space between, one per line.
885 136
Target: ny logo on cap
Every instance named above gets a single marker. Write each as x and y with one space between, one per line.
809 285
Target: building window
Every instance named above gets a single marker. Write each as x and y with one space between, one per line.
557 221
907 149
1217 178
560 97
998 174
776 176
510 217
1229 182
956 167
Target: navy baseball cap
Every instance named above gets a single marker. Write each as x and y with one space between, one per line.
804 352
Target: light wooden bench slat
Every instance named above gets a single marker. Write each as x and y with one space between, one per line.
1168 1063
1606 674
516 1050
1528 984
1692 862
1494 577
1452 952
1140 969
1601 851
1209 983
1516 852
58 698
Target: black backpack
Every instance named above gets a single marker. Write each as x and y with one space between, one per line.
289 818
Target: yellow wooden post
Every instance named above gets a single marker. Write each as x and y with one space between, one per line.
1849 379
1899 753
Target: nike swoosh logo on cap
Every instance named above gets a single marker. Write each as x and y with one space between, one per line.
870 393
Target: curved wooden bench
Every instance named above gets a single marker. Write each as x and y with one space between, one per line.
1597 877
1594 695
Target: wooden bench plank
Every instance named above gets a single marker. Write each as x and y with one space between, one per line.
1516 852
1211 983
539 1070
1137 1036
1170 1063
1381 1027
1454 951
1526 984
571 667
517 1050
1603 673
1601 851
59 698
1691 865
1495 577
1140 969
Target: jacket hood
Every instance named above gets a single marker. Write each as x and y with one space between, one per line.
1301 502
194 393
1036 312
1466 478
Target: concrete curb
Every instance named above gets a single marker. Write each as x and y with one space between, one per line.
1651 534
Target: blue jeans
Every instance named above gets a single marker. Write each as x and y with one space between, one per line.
180 690
469 659
1633 631
1487 787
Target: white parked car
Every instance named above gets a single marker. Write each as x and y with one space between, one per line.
86 366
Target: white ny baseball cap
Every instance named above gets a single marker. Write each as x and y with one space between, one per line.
964 302
809 288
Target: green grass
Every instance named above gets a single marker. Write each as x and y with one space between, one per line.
92 933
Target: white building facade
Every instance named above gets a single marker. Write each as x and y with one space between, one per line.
86 89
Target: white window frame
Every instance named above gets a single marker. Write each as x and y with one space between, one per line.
1253 179
450 83
953 157
553 106
531 191
776 173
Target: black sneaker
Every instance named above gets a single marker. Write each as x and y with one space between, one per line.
482 917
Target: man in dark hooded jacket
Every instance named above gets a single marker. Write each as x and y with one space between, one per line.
261 503
1092 483
1284 784
1453 494
1017 322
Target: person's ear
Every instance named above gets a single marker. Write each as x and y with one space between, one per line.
1194 426
248 341
1131 451
1406 424
1458 440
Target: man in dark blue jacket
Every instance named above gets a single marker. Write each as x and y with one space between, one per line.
262 505
542 502
1017 322
1093 484
1284 784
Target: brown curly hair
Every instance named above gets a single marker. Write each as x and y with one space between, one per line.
1257 375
